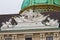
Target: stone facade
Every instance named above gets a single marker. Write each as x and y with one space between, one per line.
36 35
30 25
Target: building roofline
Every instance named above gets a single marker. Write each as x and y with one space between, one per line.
28 30
29 7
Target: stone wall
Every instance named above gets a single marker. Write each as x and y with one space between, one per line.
34 36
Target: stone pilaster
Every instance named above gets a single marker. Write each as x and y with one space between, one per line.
36 36
1 37
14 37
21 37
59 35
56 36
42 36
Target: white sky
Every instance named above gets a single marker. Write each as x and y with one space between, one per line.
10 6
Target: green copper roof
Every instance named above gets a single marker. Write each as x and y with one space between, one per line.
27 3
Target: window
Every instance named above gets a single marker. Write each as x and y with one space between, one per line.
8 38
49 38
29 38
